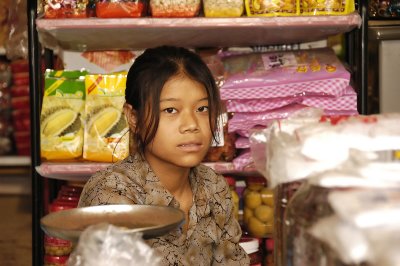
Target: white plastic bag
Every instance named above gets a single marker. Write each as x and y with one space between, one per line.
105 244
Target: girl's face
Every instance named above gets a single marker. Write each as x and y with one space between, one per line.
183 136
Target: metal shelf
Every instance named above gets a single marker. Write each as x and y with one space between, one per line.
141 33
11 161
81 171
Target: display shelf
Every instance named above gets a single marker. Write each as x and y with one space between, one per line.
81 171
6 161
141 33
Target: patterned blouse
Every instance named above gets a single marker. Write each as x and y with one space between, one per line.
213 233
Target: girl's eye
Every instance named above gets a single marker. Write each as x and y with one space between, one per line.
170 110
203 109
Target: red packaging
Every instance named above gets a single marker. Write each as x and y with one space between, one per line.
18 66
18 91
21 78
65 9
22 136
21 119
59 205
120 9
20 102
57 247
55 260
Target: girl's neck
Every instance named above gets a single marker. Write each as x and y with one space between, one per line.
174 179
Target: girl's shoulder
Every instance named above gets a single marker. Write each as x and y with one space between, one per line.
210 177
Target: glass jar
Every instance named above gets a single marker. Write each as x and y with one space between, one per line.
282 194
308 205
258 208
235 197
251 247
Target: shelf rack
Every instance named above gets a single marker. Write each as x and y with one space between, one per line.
140 33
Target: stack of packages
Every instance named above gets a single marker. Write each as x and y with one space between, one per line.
21 106
262 87
5 108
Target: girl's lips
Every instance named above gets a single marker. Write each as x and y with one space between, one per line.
190 147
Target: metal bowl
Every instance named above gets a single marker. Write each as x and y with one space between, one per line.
152 221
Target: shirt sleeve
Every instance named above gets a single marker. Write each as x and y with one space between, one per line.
228 251
109 187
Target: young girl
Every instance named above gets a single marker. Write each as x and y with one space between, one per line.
172 105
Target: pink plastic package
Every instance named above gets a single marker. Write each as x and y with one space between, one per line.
348 101
247 121
284 74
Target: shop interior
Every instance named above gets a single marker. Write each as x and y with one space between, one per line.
48 49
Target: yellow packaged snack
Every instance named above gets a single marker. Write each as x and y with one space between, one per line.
106 137
223 8
272 8
61 123
326 7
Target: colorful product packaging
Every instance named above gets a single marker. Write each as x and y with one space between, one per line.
106 137
61 122
65 9
120 8
327 7
175 8
271 8
222 8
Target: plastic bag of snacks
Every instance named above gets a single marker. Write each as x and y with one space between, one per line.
65 8
271 7
175 8
61 123
106 137
223 8
120 8
326 7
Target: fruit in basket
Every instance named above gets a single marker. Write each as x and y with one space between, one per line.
264 213
252 199
267 196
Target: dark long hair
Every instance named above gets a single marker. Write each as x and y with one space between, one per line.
146 78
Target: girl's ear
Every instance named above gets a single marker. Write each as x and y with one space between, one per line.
131 116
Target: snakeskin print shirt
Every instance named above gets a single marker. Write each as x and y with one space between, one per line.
213 234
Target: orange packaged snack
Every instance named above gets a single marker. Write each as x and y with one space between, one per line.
120 9
65 9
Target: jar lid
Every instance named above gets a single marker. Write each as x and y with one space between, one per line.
250 245
56 259
256 180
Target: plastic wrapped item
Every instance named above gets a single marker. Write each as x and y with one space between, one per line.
271 8
105 244
384 9
17 43
65 8
120 8
175 8
223 8
106 137
224 150
326 7
61 122
284 74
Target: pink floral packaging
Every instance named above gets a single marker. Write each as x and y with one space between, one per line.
284 74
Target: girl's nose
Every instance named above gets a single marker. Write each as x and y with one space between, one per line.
189 122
